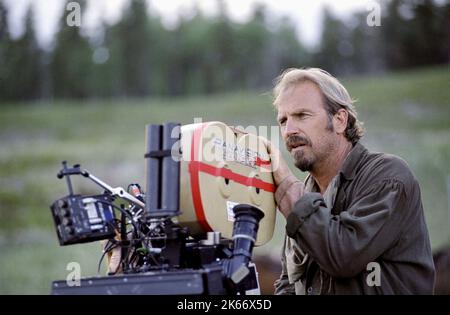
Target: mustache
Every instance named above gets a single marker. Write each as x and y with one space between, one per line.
296 140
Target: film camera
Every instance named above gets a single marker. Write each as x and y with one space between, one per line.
208 202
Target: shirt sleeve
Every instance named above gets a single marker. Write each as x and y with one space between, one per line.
344 244
287 190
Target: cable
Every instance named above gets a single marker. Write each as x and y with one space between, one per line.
132 255
121 210
105 251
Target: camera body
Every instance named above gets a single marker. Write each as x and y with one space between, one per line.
163 251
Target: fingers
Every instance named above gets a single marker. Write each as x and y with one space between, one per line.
267 143
280 169
114 257
114 261
273 151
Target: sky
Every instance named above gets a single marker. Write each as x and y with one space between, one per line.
306 14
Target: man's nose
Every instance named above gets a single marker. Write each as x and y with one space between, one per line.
290 128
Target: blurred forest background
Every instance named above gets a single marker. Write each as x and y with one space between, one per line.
139 57
87 96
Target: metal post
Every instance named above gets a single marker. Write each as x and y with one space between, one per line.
170 168
153 180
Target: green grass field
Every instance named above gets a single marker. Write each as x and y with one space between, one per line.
406 113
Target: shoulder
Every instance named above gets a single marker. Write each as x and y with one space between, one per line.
389 166
386 169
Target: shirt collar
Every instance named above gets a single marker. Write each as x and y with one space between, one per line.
352 161
348 169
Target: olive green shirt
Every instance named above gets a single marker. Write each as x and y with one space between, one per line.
371 213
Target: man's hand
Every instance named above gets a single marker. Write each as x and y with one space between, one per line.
113 257
289 188
279 167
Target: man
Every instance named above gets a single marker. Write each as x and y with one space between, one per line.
356 226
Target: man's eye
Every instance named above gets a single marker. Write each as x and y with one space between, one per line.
282 122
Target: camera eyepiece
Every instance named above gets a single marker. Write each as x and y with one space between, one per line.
246 224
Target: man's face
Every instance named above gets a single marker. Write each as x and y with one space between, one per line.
305 126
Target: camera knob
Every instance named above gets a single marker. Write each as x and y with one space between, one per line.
67 221
69 230
62 204
65 212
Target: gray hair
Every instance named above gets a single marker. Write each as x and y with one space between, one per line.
333 92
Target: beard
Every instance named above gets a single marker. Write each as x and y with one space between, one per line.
304 158
307 157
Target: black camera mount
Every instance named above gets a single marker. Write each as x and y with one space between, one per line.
158 256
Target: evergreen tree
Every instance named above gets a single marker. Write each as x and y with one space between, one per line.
5 42
252 43
20 61
334 46
428 33
71 61
286 50
132 48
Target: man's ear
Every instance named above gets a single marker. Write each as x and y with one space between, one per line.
340 121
